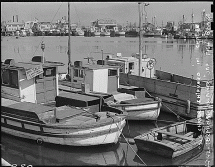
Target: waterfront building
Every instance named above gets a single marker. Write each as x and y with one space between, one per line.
12 27
44 26
3 28
170 25
103 24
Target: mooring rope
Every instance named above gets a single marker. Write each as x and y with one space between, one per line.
131 146
178 116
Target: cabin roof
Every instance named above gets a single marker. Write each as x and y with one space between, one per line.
122 59
30 107
29 65
96 66
79 97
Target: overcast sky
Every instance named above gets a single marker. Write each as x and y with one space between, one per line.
86 12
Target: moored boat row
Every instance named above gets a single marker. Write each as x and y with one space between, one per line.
33 107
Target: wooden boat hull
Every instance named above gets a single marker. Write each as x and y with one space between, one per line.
160 141
97 33
64 135
141 111
167 151
61 155
121 33
180 107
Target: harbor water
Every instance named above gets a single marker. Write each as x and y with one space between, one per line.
178 56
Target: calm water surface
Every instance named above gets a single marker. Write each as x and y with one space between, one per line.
179 56
183 57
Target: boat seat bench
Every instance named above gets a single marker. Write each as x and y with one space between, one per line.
175 135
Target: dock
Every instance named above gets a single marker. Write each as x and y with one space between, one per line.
4 163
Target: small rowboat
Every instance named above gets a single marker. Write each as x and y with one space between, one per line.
173 140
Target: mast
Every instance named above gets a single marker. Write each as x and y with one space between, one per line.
140 43
69 51
192 20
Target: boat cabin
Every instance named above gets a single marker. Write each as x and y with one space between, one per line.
95 77
130 65
34 81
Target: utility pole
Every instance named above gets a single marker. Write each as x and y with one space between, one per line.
192 20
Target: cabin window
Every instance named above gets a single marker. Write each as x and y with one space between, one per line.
10 78
81 73
14 78
49 72
112 72
75 72
5 77
131 66
40 76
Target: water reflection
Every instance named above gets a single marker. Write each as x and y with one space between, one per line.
19 151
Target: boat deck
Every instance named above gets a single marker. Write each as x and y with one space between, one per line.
137 101
7 102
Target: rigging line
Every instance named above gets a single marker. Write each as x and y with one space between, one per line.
77 14
44 36
19 54
130 145
166 105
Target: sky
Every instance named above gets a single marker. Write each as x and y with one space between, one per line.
124 13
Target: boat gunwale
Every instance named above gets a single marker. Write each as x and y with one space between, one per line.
115 119
135 104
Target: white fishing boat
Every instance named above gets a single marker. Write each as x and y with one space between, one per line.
173 140
121 33
133 100
136 104
97 33
100 78
31 107
26 85
80 32
105 33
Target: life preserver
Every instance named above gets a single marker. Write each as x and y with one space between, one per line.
150 64
188 106
155 61
39 141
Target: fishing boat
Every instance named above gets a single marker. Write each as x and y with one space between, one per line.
131 33
180 95
151 159
173 140
121 33
105 33
133 100
31 108
97 33
79 32
148 34
104 78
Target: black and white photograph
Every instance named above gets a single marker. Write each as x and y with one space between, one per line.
119 83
